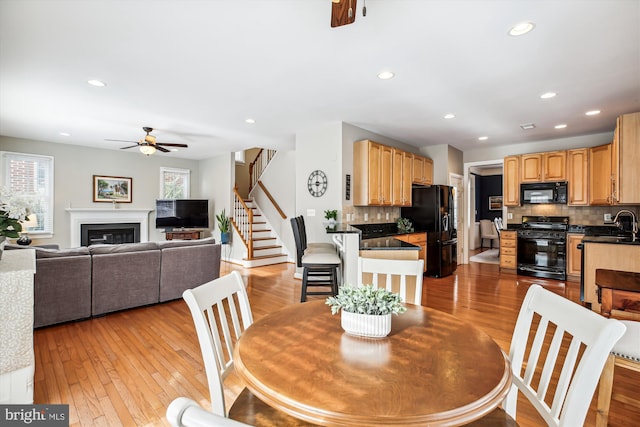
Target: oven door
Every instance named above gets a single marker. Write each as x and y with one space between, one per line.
542 257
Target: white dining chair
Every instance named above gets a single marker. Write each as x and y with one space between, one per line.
564 359
385 270
221 313
184 412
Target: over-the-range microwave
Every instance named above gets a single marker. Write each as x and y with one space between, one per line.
543 192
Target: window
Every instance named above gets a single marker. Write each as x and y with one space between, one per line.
174 183
31 176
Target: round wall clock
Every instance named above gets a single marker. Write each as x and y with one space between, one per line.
317 183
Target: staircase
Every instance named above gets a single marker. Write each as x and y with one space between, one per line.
266 246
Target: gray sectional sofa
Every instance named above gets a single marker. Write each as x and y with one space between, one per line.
73 284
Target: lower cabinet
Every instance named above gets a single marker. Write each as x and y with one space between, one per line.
418 239
574 256
508 248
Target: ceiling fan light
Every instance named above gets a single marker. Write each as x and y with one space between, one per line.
147 149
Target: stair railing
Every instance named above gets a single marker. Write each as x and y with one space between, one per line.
271 199
258 165
242 221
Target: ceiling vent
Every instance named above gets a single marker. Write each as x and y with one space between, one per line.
528 126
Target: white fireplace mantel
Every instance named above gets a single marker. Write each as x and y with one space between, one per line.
79 216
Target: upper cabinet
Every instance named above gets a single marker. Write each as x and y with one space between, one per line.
625 160
511 179
578 176
422 170
544 167
383 174
600 175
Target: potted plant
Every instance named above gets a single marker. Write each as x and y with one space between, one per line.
366 310
331 216
404 225
14 210
224 224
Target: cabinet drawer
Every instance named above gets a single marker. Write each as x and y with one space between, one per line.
508 261
504 250
508 243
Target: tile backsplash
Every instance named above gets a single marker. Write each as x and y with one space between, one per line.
369 214
583 215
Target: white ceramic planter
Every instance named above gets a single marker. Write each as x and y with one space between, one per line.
366 325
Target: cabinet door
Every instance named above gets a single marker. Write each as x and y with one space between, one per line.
511 192
600 175
578 176
373 178
386 175
531 168
396 184
626 160
418 169
554 166
407 175
574 254
428 171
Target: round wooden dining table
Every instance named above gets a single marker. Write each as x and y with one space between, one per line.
432 369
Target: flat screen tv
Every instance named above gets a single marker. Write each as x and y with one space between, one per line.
182 213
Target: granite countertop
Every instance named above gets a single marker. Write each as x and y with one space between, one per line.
385 243
383 233
613 240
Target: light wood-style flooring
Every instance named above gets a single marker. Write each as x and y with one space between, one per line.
125 368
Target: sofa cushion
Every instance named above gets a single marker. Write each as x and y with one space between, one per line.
180 243
122 248
185 267
58 253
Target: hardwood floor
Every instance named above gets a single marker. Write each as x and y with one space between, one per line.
125 368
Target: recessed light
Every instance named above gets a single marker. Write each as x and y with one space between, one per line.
548 95
386 75
592 113
96 83
527 126
250 121
560 126
64 134
483 138
521 28
449 116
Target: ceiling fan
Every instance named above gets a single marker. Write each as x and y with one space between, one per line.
149 145
343 12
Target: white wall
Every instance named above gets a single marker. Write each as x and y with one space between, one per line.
74 167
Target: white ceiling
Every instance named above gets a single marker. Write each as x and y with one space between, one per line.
195 70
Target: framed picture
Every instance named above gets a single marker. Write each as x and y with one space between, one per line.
112 189
495 203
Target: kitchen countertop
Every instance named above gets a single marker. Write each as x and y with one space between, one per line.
385 241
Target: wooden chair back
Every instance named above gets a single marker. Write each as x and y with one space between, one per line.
394 273
567 346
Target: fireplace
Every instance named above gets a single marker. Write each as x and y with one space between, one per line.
92 234
115 218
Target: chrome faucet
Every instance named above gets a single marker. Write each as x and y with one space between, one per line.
634 220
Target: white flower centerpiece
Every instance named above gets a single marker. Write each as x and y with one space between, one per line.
14 209
366 310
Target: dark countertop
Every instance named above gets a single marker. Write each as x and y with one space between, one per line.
612 240
383 241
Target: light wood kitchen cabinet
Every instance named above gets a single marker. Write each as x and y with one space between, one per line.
574 256
578 176
508 249
372 168
625 160
418 239
554 166
422 170
544 167
531 168
600 175
511 179
402 176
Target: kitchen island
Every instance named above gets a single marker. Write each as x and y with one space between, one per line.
603 252
352 243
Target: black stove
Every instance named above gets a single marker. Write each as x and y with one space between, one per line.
542 246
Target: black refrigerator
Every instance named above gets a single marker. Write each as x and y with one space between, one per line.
432 210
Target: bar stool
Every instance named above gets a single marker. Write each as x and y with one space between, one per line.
319 265
625 354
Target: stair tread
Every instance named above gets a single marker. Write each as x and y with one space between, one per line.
256 239
264 257
259 248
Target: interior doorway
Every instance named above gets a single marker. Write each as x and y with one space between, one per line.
470 228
